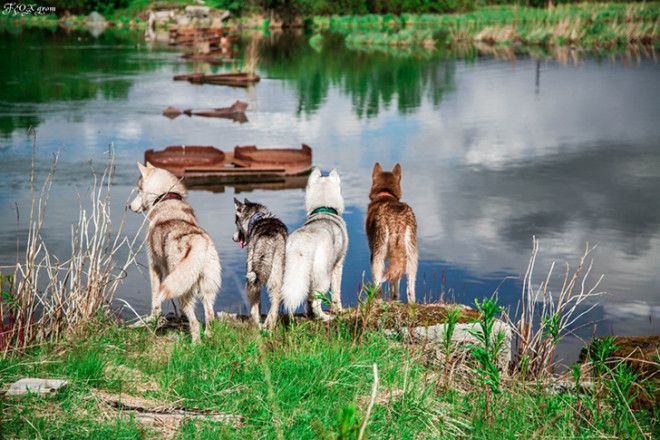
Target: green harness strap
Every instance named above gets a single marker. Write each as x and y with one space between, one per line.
324 209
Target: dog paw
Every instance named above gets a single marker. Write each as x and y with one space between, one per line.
268 325
163 293
325 317
251 277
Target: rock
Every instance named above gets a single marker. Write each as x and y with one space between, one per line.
96 19
35 386
197 11
426 324
95 24
461 337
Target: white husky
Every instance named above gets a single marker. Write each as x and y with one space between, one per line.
183 262
315 252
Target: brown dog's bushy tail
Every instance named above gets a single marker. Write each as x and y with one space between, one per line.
396 248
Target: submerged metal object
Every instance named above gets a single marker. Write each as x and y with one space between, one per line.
224 79
245 164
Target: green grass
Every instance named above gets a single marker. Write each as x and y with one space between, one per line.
307 381
589 25
402 38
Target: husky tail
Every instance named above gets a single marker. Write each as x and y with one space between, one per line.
297 273
396 248
187 272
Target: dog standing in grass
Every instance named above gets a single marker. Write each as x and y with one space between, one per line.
183 262
315 252
392 232
265 238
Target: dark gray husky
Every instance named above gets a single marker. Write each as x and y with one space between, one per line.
265 237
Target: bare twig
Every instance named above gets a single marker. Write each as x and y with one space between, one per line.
576 298
374 392
53 294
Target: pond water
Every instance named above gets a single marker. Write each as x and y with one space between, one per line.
494 151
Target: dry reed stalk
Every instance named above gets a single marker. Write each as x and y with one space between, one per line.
374 393
534 343
55 295
251 59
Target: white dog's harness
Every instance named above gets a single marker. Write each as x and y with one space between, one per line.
331 215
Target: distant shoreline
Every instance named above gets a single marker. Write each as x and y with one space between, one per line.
584 25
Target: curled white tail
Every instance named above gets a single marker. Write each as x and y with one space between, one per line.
297 272
186 273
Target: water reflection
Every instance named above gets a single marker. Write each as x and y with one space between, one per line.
494 150
42 67
373 81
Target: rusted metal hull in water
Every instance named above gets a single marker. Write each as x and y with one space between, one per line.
243 165
224 79
237 107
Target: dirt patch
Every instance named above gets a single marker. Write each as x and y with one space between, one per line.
395 315
165 417
642 353
137 378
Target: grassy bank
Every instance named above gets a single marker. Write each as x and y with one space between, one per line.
589 25
305 381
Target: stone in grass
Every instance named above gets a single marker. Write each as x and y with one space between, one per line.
30 385
427 322
462 336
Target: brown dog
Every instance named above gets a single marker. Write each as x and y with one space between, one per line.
392 232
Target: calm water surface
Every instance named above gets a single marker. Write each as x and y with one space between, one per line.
493 152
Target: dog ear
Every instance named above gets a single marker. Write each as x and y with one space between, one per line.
237 203
397 170
246 201
143 170
334 174
149 165
314 175
377 170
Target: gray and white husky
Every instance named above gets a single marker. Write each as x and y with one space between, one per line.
183 262
315 252
265 238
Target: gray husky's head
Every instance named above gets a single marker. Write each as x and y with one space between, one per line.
244 213
324 192
153 183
